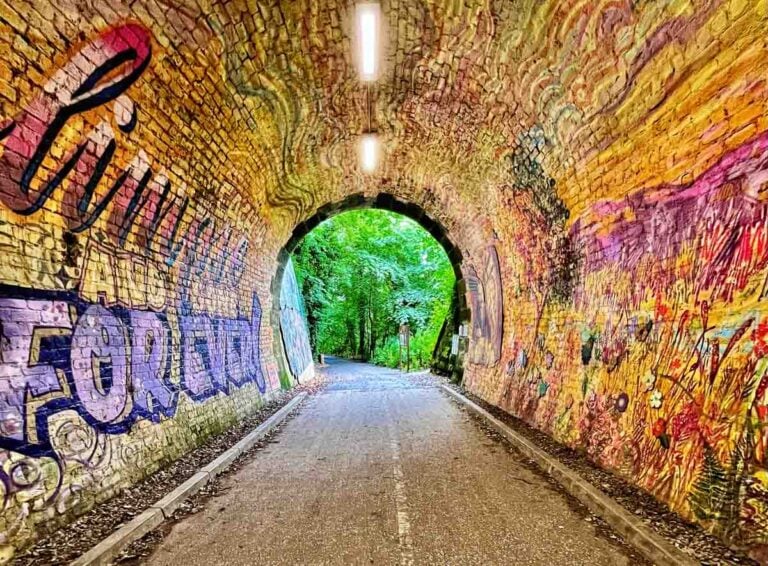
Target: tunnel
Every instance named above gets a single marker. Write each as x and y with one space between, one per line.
595 171
292 353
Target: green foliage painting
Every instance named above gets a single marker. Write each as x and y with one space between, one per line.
363 273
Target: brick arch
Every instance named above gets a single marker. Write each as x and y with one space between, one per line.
382 201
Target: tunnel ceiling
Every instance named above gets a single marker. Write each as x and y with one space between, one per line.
598 99
582 93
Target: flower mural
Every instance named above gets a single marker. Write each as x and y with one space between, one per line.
662 346
649 381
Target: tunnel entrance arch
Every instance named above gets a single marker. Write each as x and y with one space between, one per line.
382 201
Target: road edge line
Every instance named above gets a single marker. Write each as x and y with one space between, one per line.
162 509
635 532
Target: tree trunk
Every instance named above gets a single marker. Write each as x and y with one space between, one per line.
350 348
361 341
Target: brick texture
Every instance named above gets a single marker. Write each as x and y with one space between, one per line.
600 166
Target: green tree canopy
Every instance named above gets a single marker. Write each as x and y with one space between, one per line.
363 273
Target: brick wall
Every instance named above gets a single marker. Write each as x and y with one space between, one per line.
134 280
601 167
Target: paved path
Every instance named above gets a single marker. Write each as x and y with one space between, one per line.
378 469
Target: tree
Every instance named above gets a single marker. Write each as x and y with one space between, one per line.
363 273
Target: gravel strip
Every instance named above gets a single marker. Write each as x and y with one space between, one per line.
72 540
688 537
602 528
136 552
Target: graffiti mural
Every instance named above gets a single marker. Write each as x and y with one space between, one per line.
293 325
97 75
485 301
112 366
655 365
84 355
127 299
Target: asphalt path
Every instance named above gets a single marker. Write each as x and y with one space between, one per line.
379 468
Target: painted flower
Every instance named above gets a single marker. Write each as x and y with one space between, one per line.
659 427
659 430
649 380
686 422
656 399
622 402
760 339
543 387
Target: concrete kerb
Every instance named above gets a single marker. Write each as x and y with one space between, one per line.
161 510
636 533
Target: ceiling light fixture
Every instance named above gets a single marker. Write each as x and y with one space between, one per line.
368 40
369 152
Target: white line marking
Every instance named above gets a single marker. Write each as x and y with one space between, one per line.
401 501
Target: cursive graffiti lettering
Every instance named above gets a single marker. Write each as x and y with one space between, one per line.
98 74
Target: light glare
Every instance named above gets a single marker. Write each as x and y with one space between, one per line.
368 39
369 153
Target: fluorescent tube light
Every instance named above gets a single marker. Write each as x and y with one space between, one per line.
369 152
368 41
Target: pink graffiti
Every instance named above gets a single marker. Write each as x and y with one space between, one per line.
97 74
722 213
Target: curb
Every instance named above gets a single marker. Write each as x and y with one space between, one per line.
634 531
152 517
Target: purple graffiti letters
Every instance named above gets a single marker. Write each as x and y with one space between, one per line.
240 353
202 356
99 365
150 364
27 330
111 365
219 351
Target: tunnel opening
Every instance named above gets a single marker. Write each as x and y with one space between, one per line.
377 288
450 340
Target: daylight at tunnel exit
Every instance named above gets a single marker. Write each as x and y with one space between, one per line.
384 282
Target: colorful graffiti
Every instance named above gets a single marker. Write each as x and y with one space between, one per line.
485 301
614 153
659 363
82 355
128 296
98 74
111 365
293 325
